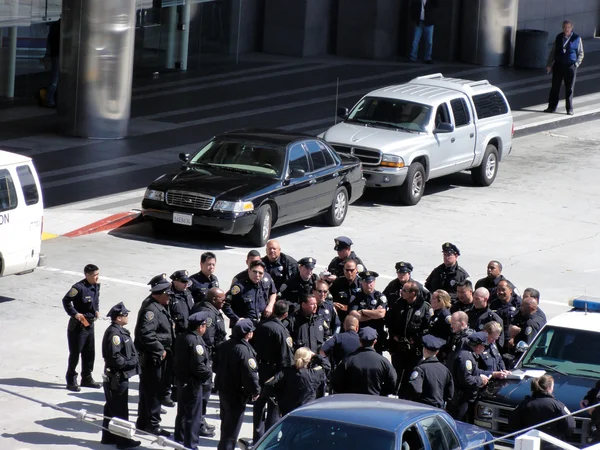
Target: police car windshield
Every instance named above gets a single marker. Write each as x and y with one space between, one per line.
247 157
322 434
573 352
389 112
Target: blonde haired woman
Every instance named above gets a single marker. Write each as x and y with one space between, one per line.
297 385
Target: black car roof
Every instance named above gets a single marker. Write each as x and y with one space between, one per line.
267 135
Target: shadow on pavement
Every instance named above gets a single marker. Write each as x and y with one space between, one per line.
6 299
38 438
93 408
26 382
68 424
93 396
208 442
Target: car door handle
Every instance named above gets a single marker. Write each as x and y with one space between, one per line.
312 181
472 135
452 140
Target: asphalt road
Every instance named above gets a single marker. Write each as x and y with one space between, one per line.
540 219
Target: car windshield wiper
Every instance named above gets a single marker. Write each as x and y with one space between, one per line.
363 121
546 366
589 370
394 126
232 169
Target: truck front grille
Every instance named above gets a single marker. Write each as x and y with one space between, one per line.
366 156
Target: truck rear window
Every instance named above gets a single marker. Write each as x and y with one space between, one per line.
8 193
490 104
30 191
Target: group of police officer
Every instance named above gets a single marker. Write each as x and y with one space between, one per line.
446 339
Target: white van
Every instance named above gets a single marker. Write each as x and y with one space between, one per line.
21 214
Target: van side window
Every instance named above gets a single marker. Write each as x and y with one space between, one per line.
490 104
460 111
8 193
30 191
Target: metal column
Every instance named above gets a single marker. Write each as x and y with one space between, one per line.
171 36
185 35
96 67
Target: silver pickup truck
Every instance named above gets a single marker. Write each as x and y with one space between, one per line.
429 127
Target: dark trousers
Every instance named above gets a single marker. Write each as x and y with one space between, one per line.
461 410
404 363
265 414
151 392
168 378
117 394
560 73
189 414
81 342
232 415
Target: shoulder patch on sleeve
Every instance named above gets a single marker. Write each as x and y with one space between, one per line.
289 341
116 340
360 268
383 299
469 365
414 375
528 331
73 292
283 287
199 350
209 322
318 368
235 290
448 319
252 363
149 315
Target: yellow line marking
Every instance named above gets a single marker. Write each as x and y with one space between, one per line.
46 236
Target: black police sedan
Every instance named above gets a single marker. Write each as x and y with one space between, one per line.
247 182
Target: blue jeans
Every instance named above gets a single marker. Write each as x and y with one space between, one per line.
427 32
54 72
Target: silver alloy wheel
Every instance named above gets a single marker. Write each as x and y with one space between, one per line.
266 226
417 184
339 209
490 166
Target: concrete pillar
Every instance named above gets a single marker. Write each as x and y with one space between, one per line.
96 67
171 36
8 61
185 35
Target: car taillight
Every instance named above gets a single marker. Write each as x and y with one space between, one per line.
512 133
42 228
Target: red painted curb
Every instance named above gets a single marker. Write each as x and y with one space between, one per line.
107 224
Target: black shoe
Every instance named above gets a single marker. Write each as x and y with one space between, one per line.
570 112
129 444
73 387
168 402
90 383
163 410
207 426
205 432
159 432
549 110
108 440
428 61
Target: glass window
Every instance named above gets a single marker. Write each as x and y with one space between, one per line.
391 113
8 193
316 155
439 434
490 104
460 111
442 114
329 159
30 191
411 439
298 159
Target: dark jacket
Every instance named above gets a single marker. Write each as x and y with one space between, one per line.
154 331
365 372
415 11
192 359
236 370
119 353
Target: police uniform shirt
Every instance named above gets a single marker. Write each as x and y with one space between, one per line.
479 317
506 311
530 329
342 290
307 331
392 291
454 345
236 370
439 324
180 306
466 374
266 280
446 278
246 299
492 285
118 351
375 300
192 359
83 298
491 359
273 345
201 284
154 331
329 313
215 333
281 270
365 372
341 345
296 288
460 306
336 266
431 383
410 321
539 408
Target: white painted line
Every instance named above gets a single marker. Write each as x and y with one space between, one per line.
546 77
102 278
546 85
555 120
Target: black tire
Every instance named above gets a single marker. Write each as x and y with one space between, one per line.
260 233
413 187
336 213
485 174
161 227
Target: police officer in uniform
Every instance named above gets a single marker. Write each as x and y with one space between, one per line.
120 364
342 344
491 360
431 382
449 275
506 305
237 381
369 306
307 328
494 276
343 247
344 288
279 266
300 284
407 322
459 323
403 275
365 371
206 278
154 338
274 346
82 304
464 297
481 314
250 298
193 368
531 325
216 333
182 301
326 308
439 324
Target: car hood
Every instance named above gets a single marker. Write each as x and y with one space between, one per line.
568 389
386 140
215 182
472 436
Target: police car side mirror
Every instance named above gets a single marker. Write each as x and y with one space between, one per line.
184 157
522 347
244 444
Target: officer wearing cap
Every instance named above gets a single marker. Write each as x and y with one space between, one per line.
82 304
280 267
369 306
182 301
343 247
449 274
431 382
236 379
344 288
365 371
205 279
307 328
216 333
120 364
274 350
193 368
468 377
300 284
254 255
403 274
154 338
250 298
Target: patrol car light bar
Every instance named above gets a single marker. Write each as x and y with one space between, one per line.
585 303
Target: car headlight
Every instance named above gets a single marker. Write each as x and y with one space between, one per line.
484 412
235 207
151 194
392 161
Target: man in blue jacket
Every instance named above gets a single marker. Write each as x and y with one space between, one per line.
565 57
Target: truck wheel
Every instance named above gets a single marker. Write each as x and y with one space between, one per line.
414 185
336 214
260 233
485 174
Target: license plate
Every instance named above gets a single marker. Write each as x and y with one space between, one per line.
182 219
